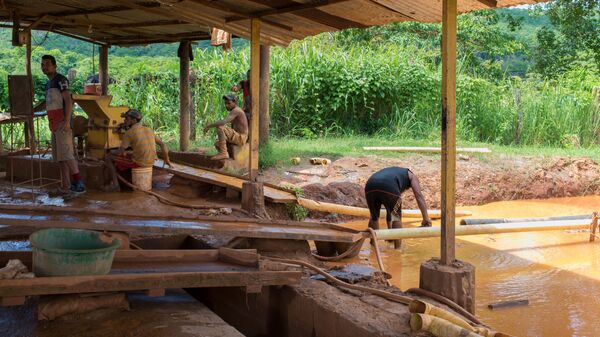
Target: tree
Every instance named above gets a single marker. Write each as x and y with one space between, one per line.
577 36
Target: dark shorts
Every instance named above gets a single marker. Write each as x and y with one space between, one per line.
391 202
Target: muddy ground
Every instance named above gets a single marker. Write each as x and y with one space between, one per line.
479 179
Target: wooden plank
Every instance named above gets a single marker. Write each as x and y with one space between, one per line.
448 249
157 292
35 23
7 301
285 9
184 95
246 256
85 214
315 15
225 8
131 282
215 178
239 257
299 231
101 10
255 97
253 289
424 149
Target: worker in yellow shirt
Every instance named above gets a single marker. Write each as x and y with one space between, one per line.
142 140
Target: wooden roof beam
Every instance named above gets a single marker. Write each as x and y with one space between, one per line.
284 10
374 2
225 8
102 10
314 15
202 19
81 24
489 3
35 23
174 37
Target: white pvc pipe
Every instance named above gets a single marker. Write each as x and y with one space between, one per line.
430 232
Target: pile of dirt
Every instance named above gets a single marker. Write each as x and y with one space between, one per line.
479 179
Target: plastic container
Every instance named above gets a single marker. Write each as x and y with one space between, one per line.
92 89
71 252
142 178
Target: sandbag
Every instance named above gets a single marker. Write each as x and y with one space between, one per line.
51 307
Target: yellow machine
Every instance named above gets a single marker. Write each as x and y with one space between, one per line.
104 120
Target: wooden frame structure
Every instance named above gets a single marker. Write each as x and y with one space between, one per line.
152 271
267 22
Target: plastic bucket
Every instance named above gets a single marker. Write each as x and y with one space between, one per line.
92 89
142 178
71 252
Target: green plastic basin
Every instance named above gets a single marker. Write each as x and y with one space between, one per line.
71 252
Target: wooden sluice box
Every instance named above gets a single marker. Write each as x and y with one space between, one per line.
153 271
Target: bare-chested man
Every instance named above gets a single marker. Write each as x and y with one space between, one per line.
237 134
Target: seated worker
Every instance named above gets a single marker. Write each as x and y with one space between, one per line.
142 141
385 188
236 135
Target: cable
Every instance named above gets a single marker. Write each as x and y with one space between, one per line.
388 295
385 294
166 200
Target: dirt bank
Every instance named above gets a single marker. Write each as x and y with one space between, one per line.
479 179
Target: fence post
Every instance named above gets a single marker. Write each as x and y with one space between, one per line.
519 129
595 113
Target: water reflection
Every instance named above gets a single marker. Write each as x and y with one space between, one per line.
558 271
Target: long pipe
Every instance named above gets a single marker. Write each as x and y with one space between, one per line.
430 232
471 222
364 212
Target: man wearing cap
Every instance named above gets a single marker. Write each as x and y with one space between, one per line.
59 106
237 134
142 140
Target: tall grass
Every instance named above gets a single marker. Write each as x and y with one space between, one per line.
321 88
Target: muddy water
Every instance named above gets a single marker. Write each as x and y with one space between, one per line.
558 272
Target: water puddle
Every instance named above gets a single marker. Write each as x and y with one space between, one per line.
558 271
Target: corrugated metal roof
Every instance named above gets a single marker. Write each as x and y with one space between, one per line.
122 22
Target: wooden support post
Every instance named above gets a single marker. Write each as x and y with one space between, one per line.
264 119
447 276
253 199
103 69
193 79
184 96
29 132
448 130
15 28
255 90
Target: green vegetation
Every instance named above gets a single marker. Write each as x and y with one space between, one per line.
279 153
372 85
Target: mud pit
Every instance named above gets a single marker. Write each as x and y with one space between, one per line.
479 179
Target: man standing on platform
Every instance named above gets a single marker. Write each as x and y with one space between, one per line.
385 188
59 106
